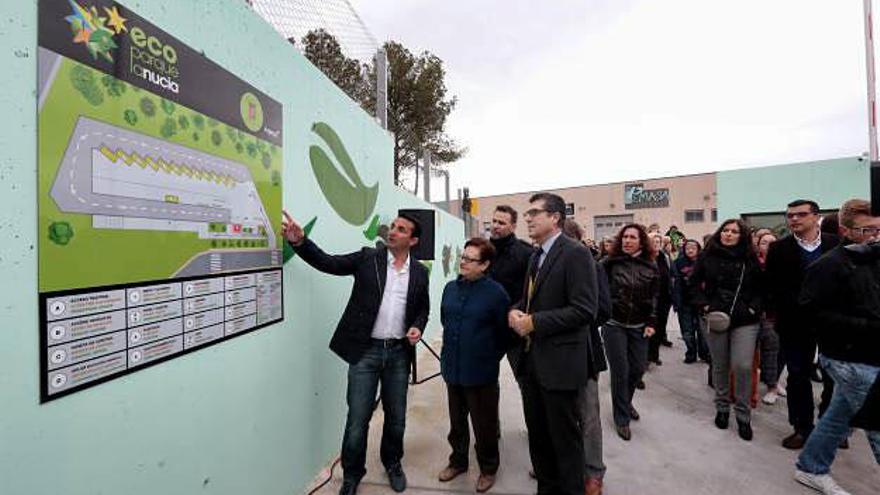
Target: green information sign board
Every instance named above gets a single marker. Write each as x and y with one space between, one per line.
159 176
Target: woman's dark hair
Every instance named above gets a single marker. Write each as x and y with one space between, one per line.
830 223
572 229
644 242
745 238
486 249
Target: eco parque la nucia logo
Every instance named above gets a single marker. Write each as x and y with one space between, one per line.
95 31
347 194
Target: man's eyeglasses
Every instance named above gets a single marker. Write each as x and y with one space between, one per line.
534 211
468 259
798 214
866 231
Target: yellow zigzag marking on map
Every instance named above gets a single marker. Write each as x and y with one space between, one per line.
160 165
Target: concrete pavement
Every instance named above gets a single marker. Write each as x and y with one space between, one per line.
675 447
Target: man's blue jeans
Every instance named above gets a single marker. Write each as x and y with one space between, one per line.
390 367
852 381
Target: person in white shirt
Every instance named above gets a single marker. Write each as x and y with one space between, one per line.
385 316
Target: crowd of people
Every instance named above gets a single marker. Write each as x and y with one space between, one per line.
750 303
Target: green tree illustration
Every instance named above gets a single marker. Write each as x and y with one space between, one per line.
216 138
148 107
167 106
130 116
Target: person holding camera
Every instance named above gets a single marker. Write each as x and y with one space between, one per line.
727 289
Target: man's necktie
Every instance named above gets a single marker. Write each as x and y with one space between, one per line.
534 266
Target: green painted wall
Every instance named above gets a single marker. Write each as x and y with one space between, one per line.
769 189
258 414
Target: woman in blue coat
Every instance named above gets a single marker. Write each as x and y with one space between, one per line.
473 313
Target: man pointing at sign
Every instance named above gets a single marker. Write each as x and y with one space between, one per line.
383 320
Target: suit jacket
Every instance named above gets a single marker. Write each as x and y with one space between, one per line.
563 306
784 277
369 268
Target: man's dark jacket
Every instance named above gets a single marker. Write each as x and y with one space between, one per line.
510 264
563 307
841 294
369 268
509 269
785 276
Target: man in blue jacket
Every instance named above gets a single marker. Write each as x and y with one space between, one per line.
385 316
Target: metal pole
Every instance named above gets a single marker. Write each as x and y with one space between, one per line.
426 158
872 96
381 61
448 199
872 106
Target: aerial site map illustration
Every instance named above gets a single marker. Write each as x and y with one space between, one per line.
158 174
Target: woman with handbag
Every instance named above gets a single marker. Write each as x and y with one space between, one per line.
633 280
727 290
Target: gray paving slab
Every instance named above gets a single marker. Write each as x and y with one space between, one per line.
675 447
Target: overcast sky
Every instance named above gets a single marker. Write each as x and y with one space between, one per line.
564 92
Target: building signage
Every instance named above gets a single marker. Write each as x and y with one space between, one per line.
636 196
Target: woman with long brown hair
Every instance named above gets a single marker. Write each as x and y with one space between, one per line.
634 281
727 290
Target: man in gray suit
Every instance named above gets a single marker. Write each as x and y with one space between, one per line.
558 306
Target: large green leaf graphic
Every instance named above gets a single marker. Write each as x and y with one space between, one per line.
347 194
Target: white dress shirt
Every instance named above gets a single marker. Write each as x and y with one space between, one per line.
546 246
809 246
389 322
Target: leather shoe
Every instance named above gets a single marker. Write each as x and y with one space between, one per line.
640 385
745 430
532 474
633 414
795 441
666 343
722 419
624 432
396 478
450 472
485 482
594 487
348 487
844 444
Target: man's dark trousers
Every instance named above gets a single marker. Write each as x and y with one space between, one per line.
556 442
387 364
799 352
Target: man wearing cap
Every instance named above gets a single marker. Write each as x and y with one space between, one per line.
385 316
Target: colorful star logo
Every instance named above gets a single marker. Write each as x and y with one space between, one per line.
90 29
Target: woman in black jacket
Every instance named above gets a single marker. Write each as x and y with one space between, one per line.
634 282
727 282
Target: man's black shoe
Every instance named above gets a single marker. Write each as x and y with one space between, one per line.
795 441
348 487
396 478
658 362
640 385
633 414
690 360
844 444
666 343
744 430
722 419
